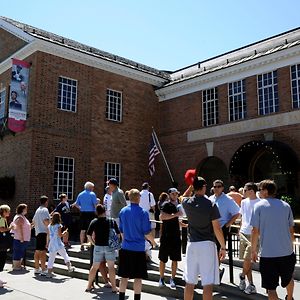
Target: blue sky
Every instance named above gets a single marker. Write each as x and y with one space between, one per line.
163 34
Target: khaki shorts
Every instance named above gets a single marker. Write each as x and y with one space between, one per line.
245 247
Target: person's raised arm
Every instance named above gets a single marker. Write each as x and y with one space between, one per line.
188 192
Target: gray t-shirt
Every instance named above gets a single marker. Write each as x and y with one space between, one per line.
200 212
273 218
40 215
118 201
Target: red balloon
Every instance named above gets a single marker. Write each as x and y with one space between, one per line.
189 176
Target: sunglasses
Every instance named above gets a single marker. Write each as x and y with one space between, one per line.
217 186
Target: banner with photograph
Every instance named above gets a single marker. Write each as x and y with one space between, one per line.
2 105
17 111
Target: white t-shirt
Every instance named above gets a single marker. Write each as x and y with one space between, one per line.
147 200
40 215
246 210
107 204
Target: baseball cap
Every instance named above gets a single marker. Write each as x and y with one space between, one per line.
199 182
113 181
173 190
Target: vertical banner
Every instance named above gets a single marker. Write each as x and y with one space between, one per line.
2 105
17 111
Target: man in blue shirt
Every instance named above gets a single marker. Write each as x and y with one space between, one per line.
134 227
86 202
228 210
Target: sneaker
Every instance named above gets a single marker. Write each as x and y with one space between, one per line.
43 273
50 275
172 283
242 285
221 274
71 269
37 271
250 289
161 282
287 297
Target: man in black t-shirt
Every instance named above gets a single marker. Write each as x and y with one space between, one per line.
98 236
204 226
170 241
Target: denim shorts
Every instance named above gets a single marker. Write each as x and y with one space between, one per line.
102 253
19 249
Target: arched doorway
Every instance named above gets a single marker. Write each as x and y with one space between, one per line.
260 160
213 168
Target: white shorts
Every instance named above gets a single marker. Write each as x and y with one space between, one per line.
202 259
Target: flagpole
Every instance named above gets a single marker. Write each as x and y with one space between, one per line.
163 155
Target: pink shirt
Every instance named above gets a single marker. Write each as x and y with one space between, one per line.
26 229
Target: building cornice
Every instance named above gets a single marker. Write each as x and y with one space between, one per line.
94 61
244 127
36 44
239 71
16 31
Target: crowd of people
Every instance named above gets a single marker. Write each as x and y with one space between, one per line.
266 226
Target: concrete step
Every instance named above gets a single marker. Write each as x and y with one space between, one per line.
149 286
81 260
153 269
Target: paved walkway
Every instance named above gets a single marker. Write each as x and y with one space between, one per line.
26 286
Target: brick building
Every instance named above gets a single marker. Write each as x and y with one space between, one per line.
90 116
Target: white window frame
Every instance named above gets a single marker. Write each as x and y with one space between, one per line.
58 189
297 80
234 96
60 94
215 102
114 174
263 95
109 98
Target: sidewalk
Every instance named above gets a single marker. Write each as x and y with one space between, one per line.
24 285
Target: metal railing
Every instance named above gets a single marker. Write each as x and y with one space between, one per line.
233 244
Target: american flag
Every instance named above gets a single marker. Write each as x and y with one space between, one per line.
152 153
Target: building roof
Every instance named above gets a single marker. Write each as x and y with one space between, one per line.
65 42
247 53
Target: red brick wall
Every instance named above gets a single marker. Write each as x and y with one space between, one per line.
85 135
187 111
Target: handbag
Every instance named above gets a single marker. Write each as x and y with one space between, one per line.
6 240
113 239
